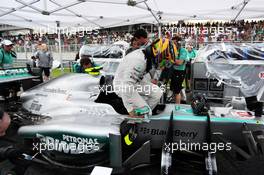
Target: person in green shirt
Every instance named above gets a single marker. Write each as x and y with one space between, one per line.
191 53
85 63
86 66
7 56
178 72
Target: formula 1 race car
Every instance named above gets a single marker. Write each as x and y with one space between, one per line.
74 123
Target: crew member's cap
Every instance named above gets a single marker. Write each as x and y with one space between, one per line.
7 42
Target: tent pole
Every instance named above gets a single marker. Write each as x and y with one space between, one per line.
59 38
149 9
18 8
159 28
78 15
245 2
45 5
156 18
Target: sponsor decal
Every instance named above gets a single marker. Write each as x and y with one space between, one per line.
35 106
10 72
55 91
177 132
68 144
41 95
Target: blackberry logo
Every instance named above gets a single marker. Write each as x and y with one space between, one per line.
176 133
144 130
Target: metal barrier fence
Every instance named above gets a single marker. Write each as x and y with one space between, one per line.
76 47
69 51
199 45
52 48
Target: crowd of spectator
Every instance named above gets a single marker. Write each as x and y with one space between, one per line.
94 37
219 31
234 31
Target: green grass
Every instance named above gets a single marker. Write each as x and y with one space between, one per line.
57 72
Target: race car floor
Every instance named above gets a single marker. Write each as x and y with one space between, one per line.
225 167
255 167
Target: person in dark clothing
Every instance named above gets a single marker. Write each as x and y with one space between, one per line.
45 61
31 64
4 122
133 45
77 57
178 73
141 37
85 63
10 146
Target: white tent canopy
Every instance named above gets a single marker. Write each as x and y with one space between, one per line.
109 13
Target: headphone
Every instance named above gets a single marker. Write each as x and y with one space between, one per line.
199 105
